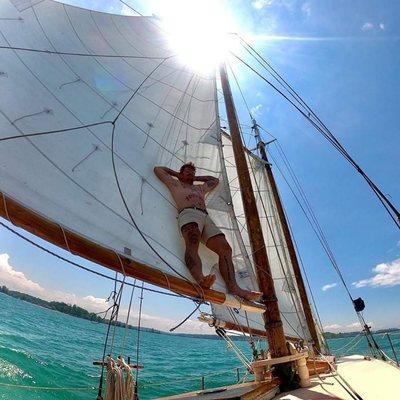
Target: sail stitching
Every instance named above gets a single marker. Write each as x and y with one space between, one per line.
195 286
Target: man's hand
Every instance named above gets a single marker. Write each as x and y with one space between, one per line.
165 175
210 182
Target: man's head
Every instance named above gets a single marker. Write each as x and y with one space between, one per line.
187 173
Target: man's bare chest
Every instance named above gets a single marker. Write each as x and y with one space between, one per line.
188 192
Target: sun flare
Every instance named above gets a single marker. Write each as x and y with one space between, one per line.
198 31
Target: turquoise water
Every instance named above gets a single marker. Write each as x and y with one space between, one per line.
44 348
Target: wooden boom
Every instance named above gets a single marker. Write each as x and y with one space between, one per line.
54 233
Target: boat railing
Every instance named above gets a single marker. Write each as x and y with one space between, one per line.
392 347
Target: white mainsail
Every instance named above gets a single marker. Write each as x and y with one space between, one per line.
110 65
292 314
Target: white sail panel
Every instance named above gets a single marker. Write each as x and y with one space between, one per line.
167 117
292 313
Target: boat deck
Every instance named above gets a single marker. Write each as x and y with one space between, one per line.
370 379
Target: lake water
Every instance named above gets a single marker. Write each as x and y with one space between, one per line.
45 349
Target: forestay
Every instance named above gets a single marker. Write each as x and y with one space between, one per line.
112 66
292 313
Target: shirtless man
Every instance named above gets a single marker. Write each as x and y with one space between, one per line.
196 226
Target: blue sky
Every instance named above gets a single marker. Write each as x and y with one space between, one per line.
344 59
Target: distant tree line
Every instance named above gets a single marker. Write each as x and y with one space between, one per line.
54 305
80 312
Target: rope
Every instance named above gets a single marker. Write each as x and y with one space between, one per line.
83 267
100 387
117 308
186 318
318 232
25 135
127 321
325 131
231 345
196 287
321 127
138 341
346 386
45 388
191 378
273 237
63 53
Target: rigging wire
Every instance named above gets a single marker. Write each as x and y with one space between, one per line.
325 245
80 266
113 123
115 306
293 236
387 204
26 135
280 261
187 317
127 320
63 53
195 286
374 346
321 239
272 232
138 340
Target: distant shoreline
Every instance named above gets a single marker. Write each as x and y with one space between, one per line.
80 312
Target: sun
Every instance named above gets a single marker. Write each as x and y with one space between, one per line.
198 30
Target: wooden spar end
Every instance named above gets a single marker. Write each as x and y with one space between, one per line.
230 326
317 366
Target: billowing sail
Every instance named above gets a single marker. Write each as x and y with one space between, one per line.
63 67
290 306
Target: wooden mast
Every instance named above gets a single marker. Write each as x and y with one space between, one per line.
272 318
288 238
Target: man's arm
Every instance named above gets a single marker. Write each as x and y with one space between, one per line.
210 182
165 175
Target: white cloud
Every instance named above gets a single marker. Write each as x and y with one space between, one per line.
367 26
386 274
333 327
260 4
328 286
353 327
256 110
17 280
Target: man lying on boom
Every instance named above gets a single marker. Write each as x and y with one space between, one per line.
196 225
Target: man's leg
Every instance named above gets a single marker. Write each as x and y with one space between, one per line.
218 244
192 235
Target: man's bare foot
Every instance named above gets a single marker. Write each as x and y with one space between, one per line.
249 295
207 281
